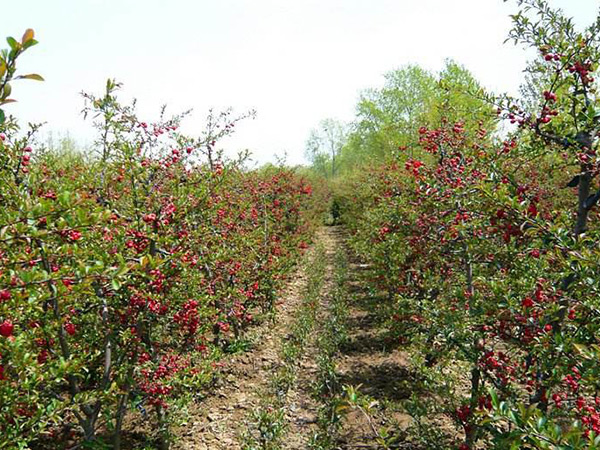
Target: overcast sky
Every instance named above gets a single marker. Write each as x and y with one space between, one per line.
294 61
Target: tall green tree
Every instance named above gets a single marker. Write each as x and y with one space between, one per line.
390 116
324 146
412 97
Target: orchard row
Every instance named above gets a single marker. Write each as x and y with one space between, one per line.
485 241
125 275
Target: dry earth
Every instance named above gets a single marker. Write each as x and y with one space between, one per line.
368 360
219 420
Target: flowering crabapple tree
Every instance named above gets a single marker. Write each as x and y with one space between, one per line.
488 245
559 130
123 277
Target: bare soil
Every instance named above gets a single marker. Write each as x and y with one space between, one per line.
220 419
373 363
369 360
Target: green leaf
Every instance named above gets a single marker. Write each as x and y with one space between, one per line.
6 91
30 43
64 198
14 45
122 271
2 117
31 76
494 398
541 423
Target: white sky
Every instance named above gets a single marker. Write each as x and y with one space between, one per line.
294 61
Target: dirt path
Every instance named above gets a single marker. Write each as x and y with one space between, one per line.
302 422
219 421
367 360
373 363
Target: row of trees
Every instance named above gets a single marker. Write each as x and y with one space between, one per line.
124 276
389 118
486 241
